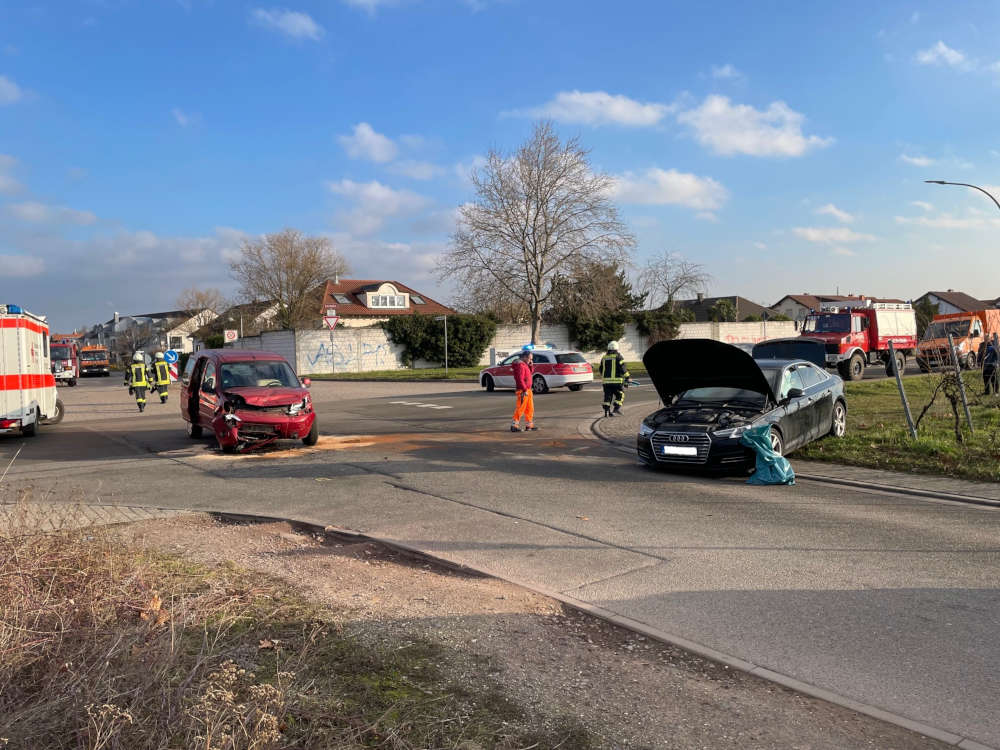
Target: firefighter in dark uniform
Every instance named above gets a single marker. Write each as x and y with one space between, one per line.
161 377
138 381
614 376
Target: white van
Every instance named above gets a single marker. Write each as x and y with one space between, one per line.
27 385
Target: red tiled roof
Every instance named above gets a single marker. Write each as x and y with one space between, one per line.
354 290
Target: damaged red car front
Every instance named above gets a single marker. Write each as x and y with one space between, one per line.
248 399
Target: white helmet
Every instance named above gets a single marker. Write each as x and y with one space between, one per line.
612 346
137 357
159 355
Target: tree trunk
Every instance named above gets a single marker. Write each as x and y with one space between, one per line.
536 325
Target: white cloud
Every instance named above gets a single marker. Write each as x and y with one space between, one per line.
924 205
8 185
185 119
598 108
725 72
831 235
369 5
40 213
831 210
917 161
942 54
21 266
707 216
375 204
845 251
657 187
464 169
365 143
760 245
729 128
10 92
948 221
416 170
291 23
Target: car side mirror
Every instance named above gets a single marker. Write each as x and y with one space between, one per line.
794 393
306 382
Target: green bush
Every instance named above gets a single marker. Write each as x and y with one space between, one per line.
216 341
422 337
661 324
593 334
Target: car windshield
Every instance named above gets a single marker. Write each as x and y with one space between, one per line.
830 323
62 352
720 395
256 374
774 377
93 356
570 359
941 328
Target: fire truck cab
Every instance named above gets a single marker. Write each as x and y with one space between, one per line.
27 385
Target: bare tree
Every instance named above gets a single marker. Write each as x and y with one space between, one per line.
289 269
194 301
537 212
668 276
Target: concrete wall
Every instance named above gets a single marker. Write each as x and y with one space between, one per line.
367 349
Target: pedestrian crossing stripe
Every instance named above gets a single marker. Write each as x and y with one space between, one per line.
420 404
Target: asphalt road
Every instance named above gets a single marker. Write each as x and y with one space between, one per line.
883 598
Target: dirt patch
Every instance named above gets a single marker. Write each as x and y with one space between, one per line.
403 442
506 642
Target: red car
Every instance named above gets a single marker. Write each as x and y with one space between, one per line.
248 399
552 369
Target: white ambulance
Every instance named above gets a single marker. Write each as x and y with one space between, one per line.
27 386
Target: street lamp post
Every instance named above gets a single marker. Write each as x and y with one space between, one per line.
965 184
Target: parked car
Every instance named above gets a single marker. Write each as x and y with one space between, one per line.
714 391
552 369
248 399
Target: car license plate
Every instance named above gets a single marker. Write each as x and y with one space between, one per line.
680 450
831 358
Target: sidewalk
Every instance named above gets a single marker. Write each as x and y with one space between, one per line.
48 517
622 431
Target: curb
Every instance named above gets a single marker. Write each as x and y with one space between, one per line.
954 497
636 626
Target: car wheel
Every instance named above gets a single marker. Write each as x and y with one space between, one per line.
538 384
57 416
313 437
900 365
575 386
922 364
194 430
72 382
838 425
856 367
29 430
488 383
970 361
777 442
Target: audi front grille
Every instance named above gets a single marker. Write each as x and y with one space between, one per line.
700 441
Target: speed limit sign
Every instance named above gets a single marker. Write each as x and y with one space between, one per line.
230 335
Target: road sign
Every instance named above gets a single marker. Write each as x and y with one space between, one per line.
170 356
330 321
174 371
230 335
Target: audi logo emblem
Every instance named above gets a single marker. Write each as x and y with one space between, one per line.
677 438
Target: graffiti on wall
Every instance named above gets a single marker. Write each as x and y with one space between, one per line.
351 355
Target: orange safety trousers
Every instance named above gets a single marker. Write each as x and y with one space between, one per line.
525 407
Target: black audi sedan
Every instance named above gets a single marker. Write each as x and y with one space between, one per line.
712 392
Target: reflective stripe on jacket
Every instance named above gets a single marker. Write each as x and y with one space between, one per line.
138 375
613 369
162 373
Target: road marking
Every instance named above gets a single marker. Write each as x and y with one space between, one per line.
420 404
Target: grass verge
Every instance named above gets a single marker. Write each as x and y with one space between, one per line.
877 434
459 374
109 647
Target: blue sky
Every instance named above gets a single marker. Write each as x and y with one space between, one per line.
781 144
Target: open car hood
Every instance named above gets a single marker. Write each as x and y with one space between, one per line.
264 396
811 349
679 365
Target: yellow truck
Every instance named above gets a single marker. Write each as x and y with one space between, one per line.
968 331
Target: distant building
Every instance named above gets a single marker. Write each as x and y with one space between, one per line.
359 302
954 302
797 306
249 318
701 306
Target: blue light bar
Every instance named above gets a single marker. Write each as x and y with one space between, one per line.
14 309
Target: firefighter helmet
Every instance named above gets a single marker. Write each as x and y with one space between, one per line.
159 355
612 346
137 357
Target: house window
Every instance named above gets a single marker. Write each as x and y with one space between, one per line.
342 299
417 299
387 300
176 342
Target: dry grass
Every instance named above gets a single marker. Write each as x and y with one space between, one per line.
105 646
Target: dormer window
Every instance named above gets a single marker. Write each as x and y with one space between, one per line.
386 296
342 299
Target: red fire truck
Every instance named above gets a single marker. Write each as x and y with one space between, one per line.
27 385
65 356
857 334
